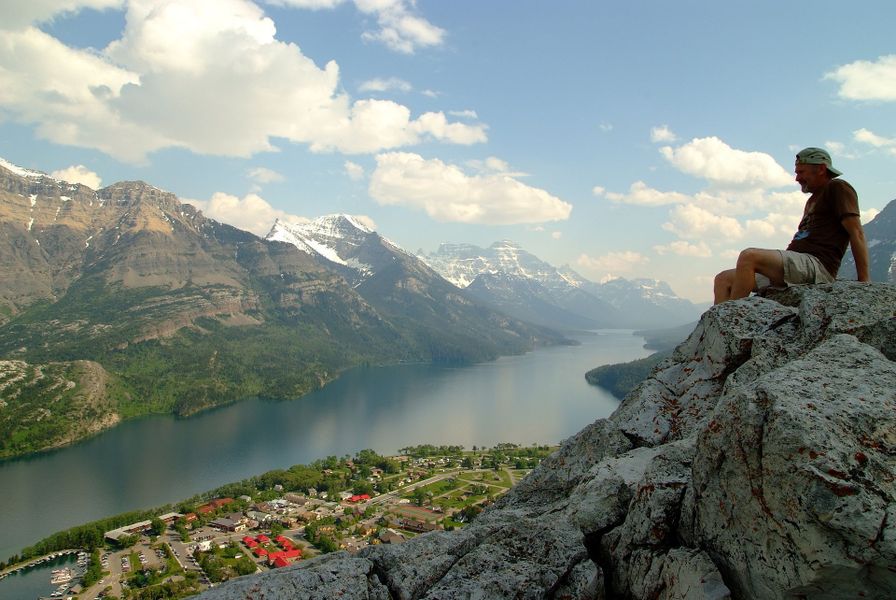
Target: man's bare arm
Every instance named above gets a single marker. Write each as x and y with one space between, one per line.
853 226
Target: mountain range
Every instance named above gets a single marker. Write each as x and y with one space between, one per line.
519 283
179 312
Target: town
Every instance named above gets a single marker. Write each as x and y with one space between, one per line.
286 516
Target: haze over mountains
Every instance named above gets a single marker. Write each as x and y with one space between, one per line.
522 285
504 276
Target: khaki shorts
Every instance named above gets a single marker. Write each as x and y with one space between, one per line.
799 267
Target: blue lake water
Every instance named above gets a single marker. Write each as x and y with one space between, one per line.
540 397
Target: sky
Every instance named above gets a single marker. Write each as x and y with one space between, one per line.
622 138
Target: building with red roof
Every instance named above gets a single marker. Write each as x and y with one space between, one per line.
280 562
273 557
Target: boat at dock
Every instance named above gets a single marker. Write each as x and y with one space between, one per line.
62 575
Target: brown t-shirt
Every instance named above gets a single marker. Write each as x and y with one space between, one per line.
821 233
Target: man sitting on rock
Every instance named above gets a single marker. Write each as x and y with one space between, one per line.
830 221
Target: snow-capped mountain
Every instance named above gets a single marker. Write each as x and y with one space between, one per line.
354 249
400 286
462 263
527 287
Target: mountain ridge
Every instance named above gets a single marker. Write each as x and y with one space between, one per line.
186 313
520 283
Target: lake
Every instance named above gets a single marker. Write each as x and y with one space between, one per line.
540 397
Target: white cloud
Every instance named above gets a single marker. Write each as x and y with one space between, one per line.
464 114
662 134
365 221
354 171
250 213
264 175
865 80
446 193
868 214
714 160
18 14
605 127
598 190
78 174
610 265
691 222
399 28
869 137
777 228
495 166
642 195
682 248
835 147
556 235
205 75
308 4
385 85
877 141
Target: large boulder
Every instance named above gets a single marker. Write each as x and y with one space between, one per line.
759 461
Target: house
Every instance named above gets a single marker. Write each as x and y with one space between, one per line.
307 516
227 524
280 562
417 526
213 505
390 536
237 517
296 499
260 517
288 522
285 555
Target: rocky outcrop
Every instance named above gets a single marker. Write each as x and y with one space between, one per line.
759 461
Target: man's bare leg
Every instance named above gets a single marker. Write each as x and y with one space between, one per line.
722 286
752 261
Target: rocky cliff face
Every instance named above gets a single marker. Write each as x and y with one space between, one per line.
759 461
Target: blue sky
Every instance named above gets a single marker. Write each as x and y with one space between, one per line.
632 139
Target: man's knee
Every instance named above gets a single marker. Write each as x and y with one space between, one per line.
748 256
725 278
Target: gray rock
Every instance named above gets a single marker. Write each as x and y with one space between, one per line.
679 395
793 477
690 575
335 575
759 461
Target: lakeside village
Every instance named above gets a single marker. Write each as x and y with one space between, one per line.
283 517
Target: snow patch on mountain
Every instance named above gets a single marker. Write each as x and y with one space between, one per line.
21 171
336 238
